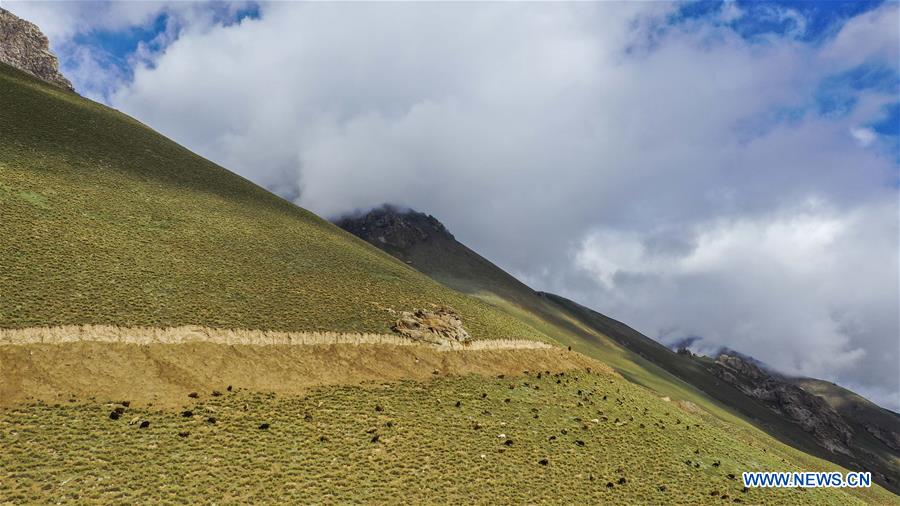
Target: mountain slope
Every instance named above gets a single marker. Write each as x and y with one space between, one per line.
460 439
881 423
108 222
835 423
423 242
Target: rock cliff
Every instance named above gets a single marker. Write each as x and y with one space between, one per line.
25 47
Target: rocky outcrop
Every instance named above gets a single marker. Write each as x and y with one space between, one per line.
809 411
25 47
392 228
441 325
889 437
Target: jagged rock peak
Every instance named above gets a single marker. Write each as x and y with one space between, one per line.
394 226
25 47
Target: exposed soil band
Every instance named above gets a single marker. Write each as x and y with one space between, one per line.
161 366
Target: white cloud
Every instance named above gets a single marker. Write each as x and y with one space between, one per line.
61 21
644 172
864 136
871 34
731 11
767 286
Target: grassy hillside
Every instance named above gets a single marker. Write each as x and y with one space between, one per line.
576 438
422 242
105 221
874 427
869 453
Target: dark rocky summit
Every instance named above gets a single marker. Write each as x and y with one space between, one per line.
392 228
25 47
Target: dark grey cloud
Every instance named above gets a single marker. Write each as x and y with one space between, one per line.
651 174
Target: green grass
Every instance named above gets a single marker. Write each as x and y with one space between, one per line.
105 221
637 357
319 448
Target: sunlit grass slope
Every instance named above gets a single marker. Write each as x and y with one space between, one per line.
104 221
635 356
578 438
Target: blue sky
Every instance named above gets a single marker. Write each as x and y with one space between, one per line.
115 46
819 19
721 170
119 44
812 23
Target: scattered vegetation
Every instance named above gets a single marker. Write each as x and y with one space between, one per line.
107 222
637 357
576 437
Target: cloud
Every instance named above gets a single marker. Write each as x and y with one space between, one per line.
675 174
766 285
731 11
872 34
864 136
61 21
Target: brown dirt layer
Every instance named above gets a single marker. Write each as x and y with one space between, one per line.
164 372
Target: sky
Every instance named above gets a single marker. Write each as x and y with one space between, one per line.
722 171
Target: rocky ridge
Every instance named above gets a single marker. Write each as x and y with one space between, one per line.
25 47
808 411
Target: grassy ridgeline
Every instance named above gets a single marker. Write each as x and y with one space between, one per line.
104 221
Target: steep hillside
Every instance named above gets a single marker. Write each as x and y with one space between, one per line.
108 222
423 242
